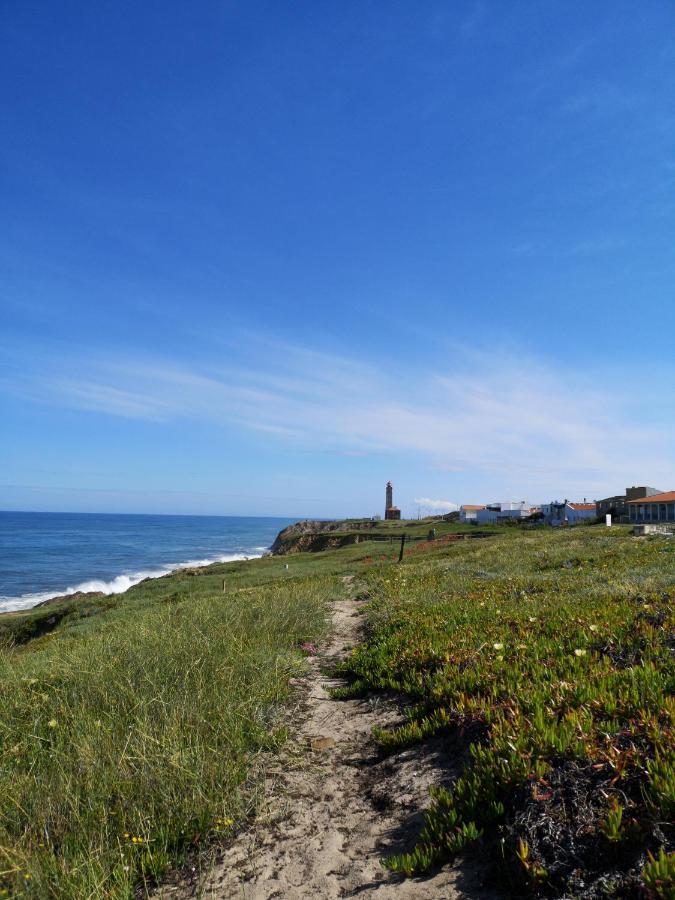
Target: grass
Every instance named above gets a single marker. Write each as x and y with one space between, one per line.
130 725
128 736
548 656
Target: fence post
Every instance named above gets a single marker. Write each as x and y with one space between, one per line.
400 555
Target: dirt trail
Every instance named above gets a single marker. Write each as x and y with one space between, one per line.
336 808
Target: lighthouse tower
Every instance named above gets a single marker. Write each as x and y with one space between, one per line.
391 511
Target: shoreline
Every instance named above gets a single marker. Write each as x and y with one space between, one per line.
119 584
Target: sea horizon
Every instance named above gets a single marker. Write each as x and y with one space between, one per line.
50 554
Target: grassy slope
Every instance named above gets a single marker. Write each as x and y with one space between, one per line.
141 718
128 732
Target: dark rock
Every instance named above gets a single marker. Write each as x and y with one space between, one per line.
78 596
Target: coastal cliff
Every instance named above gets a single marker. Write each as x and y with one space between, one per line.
316 535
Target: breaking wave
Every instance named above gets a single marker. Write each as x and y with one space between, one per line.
120 583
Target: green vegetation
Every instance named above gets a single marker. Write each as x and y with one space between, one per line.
547 657
128 731
318 536
130 726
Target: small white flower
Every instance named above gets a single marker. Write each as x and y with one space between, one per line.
498 646
579 652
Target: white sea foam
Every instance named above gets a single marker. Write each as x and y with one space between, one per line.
121 583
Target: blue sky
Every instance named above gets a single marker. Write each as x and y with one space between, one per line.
260 257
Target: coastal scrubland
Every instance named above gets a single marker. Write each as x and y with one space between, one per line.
131 726
547 657
127 733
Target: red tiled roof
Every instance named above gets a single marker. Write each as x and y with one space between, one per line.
666 497
471 506
582 505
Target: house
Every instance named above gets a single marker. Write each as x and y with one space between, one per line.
617 506
467 512
553 512
579 512
500 512
488 514
655 508
567 512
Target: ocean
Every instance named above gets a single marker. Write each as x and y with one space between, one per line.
44 555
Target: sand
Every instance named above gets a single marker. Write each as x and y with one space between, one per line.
335 807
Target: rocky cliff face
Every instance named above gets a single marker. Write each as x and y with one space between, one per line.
315 535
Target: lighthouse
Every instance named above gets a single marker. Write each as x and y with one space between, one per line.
390 511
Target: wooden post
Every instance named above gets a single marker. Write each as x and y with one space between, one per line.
400 555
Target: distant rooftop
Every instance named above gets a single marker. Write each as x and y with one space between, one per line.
666 497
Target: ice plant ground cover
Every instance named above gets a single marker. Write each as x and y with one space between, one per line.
546 658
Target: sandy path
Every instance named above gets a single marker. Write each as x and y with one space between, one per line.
336 807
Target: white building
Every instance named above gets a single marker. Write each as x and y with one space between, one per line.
579 512
468 512
568 513
499 512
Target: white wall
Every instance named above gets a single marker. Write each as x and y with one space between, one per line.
578 515
486 516
510 509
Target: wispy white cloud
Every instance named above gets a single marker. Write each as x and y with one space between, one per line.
440 505
519 421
